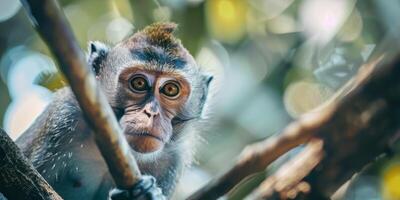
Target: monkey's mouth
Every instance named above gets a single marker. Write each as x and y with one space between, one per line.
146 134
144 142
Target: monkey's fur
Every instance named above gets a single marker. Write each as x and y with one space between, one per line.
61 146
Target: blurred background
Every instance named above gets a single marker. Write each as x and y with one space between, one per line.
273 60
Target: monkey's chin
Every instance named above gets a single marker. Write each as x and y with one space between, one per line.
145 143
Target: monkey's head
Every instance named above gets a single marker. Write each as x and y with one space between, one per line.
153 84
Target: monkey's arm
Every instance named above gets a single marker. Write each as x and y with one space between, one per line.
61 147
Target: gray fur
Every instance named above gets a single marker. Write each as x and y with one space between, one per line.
61 146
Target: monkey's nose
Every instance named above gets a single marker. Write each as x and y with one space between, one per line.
150 114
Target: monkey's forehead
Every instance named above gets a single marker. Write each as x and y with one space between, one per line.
154 58
158 44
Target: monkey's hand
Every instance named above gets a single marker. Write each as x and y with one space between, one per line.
145 189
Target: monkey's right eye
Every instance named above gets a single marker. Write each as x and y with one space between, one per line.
139 84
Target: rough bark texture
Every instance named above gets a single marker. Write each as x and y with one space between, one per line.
362 127
254 158
341 137
54 29
18 179
291 172
353 129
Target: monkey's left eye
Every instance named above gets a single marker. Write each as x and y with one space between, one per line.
139 84
170 89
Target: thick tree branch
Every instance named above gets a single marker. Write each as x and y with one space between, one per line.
257 157
363 125
287 180
341 137
355 128
51 24
18 179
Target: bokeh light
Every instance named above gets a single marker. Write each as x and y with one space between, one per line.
303 96
226 19
270 8
282 24
272 61
17 119
391 182
8 9
321 19
352 28
25 70
118 29
28 98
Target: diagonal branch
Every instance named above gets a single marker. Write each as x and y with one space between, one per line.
286 182
355 127
257 157
363 125
51 24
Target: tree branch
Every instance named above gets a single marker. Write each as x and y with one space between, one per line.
258 156
364 124
18 179
51 24
355 127
287 180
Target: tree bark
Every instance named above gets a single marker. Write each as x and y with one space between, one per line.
354 128
18 179
50 22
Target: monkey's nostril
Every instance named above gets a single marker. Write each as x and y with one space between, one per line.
147 113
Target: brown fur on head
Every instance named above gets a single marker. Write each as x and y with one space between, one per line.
161 34
155 55
157 34
159 37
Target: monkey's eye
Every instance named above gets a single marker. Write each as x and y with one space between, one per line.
139 84
170 89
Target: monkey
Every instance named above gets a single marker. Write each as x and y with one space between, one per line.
158 95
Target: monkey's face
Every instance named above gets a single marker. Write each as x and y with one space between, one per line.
152 100
153 85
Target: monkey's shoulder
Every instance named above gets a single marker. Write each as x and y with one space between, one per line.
61 147
60 123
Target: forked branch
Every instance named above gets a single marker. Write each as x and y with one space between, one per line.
354 128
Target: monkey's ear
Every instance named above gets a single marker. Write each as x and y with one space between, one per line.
207 78
204 99
97 53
